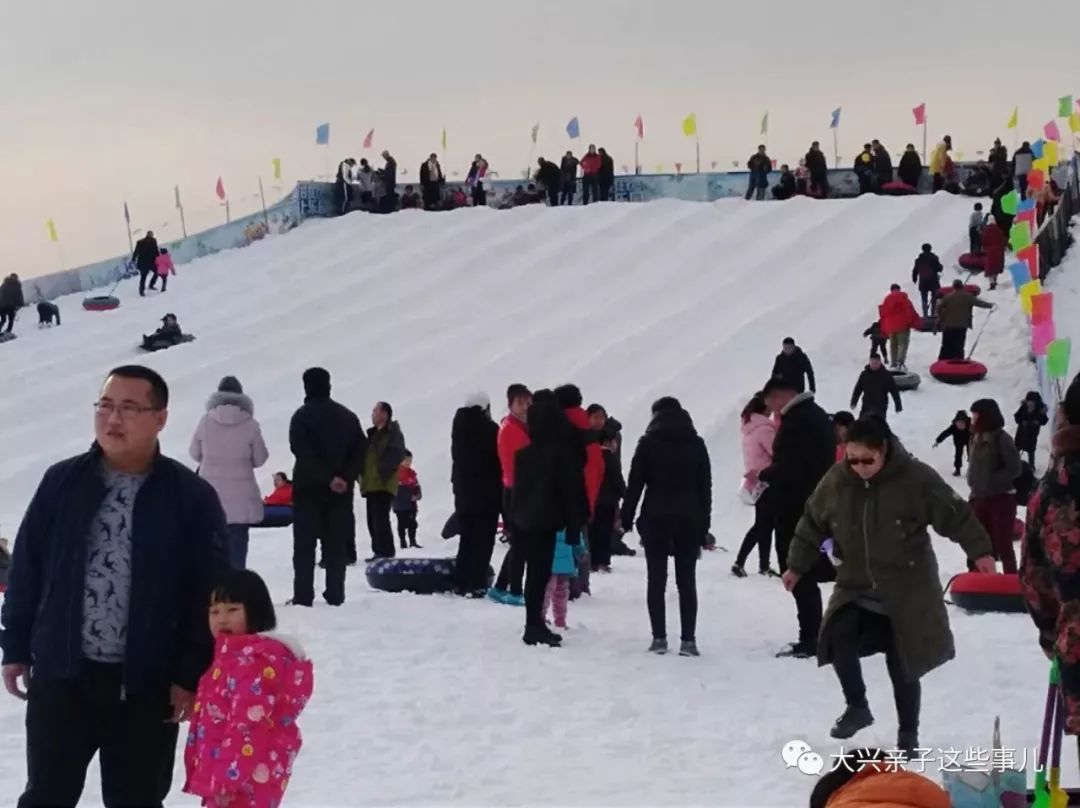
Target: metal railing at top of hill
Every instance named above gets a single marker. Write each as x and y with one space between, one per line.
1053 235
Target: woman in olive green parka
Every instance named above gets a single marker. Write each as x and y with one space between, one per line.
877 506
379 479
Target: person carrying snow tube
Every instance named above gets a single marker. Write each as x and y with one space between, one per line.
888 596
954 320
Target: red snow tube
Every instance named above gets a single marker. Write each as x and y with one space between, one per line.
970 288
898 188
975 262
927 325
101 303
982 592
958 371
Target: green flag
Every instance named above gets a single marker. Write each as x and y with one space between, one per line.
1065 104
1057 358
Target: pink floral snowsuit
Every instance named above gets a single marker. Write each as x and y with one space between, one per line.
244 737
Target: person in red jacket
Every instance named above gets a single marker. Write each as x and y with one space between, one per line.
569 399
898 317
282 493
993 241
590 175
513 437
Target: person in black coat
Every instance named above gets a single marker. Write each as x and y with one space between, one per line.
759 165
883 168
612 489
910 171
432 180
606 177
550 176
960 432
999 163
785 188
792 365
389 178
11 300
804 449
874 386
671 467
548 496
569 169
476 477
329 446
1032 416
927 273
819 171
145 260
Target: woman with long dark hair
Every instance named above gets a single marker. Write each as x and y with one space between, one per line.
758 434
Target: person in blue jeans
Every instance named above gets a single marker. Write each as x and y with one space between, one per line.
760 165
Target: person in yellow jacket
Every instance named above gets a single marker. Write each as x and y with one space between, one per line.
940 163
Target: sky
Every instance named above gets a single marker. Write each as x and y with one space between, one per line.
121 100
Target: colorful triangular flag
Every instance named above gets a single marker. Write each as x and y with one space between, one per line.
50 228
835 124
1065 104
369 139
220 189
1074 122
920 114
689 125
1014 119
639 125
322 134
573 128
1051 131
277 167
444 138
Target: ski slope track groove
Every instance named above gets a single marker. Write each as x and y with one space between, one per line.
429 701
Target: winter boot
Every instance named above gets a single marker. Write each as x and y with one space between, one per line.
514 600
658 647
769 572
738 571
688 648
417 546
908 743
542 636
497 595
798 651
853 719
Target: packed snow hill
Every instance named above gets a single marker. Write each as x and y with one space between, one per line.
431 700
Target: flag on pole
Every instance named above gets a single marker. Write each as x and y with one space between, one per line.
835 119
689 125
920 114
1014 121
573 128
1074 122
444 138
1051 131
535 132
1065 104
176 193
369 139
220 189
127 216
322 134
50 227
765 124
277 168
639 125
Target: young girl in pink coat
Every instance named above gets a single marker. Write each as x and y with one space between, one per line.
244 739
163 266
758 433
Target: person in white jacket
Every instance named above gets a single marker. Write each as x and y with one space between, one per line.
228 446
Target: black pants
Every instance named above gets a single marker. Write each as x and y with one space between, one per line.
538 550
553 197
567 196
958 457
1021 181
939 182
512 571
8 315
975 240
68 721
953 343
852 629
656 561
479 195
1031 457
605 190
475 547
807 592
928 298
431 196
330 520
378 523
406 528
590 188
821 184
880 347
144 272
600 535
760 533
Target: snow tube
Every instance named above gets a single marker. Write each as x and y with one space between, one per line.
160 345
958 371
898 188
276 516
982 592
7 336
101 303
970 288
422 576
973 262
928 325
906 380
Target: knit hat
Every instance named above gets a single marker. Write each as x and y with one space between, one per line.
230 384
480 400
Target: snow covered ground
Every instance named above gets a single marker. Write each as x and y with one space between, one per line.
433 701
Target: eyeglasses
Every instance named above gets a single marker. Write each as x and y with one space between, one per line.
126 410
861 461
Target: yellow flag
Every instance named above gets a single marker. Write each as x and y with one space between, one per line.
1042 164
1015 119
1050 153
444 138
50 227
659 168
277 168
1074 122
689 125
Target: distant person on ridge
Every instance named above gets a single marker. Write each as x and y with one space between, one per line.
365 183
1023 161
927 273
606 176
883 168
432 181
475 180
343 184
569 169
759 165
954 312
792 365
864 169
941 165
819 171
145 259
590 170
785 189
910 171
550 176
11 300
999 163
389 200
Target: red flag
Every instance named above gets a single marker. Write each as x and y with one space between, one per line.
678 168
220 190
920 114
640 126
368 140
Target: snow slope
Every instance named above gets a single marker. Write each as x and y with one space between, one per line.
429 701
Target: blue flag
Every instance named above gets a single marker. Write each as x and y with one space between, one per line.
835 119
573 129
1037 148
1020 275
1025 205
322 134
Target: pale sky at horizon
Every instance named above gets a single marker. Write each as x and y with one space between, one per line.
120 100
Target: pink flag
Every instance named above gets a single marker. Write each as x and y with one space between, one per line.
640 126
920 114
220 190
1041 336
369 139
678 168
1052 132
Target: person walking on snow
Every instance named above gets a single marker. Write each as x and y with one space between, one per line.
432 181
954 319
379 478
898 317
888 596
960 432
569 178
145 260
975 226
992 472
993 244
513 436
874 386
927 273
758 436
163 267
406 503
476 477
11 300
228 446
910 170
605 177
759 165
590 176
793 366
1030 418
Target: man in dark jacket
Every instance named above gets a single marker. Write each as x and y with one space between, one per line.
785 189
793 366
569 178
874 386
999 163
671 467
476 476
1023 161
927 273
550 177
883 168
432 181
106 602
803 451
547 497
819 171
954 313
389 199
910 171
11 300
759 166
606 175
145 259
329 445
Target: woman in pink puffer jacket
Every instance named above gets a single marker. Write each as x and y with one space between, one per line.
228 446
758 433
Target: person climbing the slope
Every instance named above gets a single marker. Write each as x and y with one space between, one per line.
758 435
954 320
163 267
898 317
927 273
793 366
1030 418
993 244
874 386
960 432
11 300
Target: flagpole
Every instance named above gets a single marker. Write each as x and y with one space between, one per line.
925 126
697 149
227 216
836 147
127 218
180 207
262 196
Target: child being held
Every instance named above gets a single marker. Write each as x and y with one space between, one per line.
960 431
564 566
244 739
975 225
405 503
878 342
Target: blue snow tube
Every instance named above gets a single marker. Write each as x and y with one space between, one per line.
422 576
276 516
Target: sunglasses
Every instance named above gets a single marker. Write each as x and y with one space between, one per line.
861 461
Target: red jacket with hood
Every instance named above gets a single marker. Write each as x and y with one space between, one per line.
594 457
898 314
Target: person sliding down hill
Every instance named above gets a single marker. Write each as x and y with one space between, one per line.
792 365
898 317
927 273
874 386
165 337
